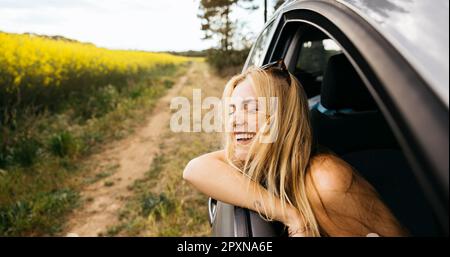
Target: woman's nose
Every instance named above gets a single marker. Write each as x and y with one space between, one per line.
239 118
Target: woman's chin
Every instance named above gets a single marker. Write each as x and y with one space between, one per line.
241 154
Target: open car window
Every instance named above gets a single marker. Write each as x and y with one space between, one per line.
312 62
314 57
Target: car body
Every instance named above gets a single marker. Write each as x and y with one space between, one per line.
399 50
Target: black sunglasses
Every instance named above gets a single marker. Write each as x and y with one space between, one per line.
280 68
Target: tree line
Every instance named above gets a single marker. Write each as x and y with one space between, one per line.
219 24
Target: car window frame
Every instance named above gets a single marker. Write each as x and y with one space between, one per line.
270 28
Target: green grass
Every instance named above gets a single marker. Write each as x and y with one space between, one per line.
41 154
64 144
109 183
37 214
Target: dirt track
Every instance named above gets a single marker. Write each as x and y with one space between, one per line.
130 158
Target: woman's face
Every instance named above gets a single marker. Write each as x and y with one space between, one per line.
243 116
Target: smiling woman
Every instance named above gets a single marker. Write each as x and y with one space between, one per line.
244 109
310 190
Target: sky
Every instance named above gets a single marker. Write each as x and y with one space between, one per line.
150 25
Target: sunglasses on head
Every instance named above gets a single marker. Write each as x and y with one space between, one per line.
279 67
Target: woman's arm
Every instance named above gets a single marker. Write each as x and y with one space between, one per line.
211 175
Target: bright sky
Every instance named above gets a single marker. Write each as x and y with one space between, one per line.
152 25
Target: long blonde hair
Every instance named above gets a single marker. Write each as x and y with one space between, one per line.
279 166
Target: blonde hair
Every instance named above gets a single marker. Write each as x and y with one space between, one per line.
279 166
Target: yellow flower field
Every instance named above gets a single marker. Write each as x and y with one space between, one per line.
32 61
59 100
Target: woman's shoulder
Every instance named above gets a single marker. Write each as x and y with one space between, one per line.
218 155
203 161
329 172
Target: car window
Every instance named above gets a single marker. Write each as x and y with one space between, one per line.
314 57
312 61
258 51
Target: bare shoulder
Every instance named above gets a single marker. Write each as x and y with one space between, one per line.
328 172
199 163
220 155
217 155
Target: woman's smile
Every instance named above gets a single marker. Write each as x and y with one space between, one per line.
244 138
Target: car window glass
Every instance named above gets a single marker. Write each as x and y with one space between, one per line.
258 51
312 61
314 57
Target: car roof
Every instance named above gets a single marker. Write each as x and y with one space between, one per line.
418 29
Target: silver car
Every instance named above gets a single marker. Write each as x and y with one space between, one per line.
376 73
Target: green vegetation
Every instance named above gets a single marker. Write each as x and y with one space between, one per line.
42 149
36 214
228 62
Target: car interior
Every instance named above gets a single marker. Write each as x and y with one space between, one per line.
346 119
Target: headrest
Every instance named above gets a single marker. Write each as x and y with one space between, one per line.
342 88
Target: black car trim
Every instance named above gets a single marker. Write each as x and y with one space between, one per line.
212 209
241 223
273 22
390 76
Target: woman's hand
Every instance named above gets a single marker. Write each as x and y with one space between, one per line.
296 225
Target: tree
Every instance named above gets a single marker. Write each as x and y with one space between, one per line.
265 11
217 21
277 5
